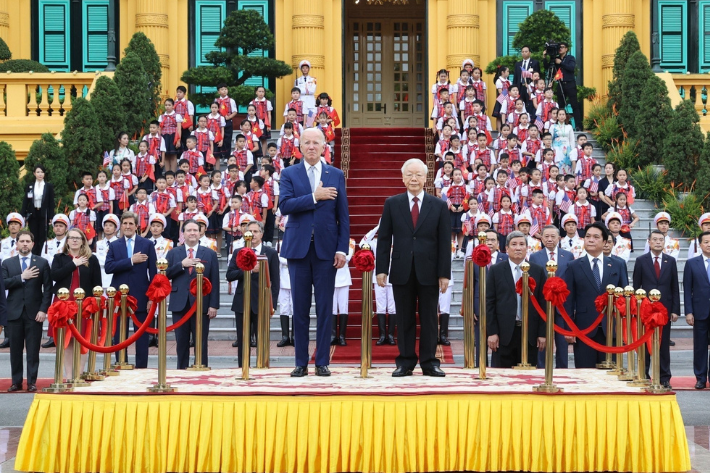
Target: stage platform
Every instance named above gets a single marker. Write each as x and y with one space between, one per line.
218 423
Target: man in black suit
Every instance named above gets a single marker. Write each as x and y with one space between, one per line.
587 277
656 270
530 65
236 274
504 307
696 292
417 228
567 86
29 292
181 271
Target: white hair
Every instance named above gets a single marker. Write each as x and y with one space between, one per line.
411 161
320 133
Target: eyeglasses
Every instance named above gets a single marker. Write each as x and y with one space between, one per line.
75 238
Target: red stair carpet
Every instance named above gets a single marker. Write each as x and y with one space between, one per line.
384 354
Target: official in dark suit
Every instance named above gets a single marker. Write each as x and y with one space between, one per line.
552 252
504 307
236 274
315 242
696 293
29 293
567 86
492 243
181 271
526 64
416 227
38 207
608 247
586 278
131 260
656 270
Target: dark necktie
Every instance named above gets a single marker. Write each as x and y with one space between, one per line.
12 243
24 264
595 272
58 242
570 243
191 256
415 211
155 242
657 267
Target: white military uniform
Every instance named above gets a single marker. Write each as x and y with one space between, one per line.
622 248
343 281
307 84
9 248
574 245
210 243
533 245
101 252
445 297
384 298
162 246
285 299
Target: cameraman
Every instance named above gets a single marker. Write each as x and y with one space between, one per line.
567 85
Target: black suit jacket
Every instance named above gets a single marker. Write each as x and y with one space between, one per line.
180 297
3 304
47 208
63 268
476 271
645 278
502 303
236 274
517 76
426 247
33 295
567 66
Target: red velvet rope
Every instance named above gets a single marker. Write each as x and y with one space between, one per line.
125 344
559 329
154 331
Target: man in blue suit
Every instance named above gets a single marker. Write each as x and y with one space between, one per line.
181 271
656 270
696 291
315 242
131 259
586 278
552 252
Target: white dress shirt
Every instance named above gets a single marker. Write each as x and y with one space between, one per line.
411 196
513 266
660 259
554 252
38 193
317 170
600 264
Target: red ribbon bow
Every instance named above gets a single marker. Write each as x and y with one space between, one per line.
532 284
481 255
653 314
246 259
364 260
555 291
89 307
60 312
206 286
159 288
600 303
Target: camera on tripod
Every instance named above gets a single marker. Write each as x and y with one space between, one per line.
552 49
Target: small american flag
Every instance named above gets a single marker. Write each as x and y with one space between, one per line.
526 75
535 227
107 159
538 123
594 185
502 96
565 204
310 118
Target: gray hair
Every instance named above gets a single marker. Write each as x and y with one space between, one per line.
551 227
256 222
514 234
320 133
411 161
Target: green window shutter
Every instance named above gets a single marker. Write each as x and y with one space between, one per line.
565 11
54 34
261 6
704 35
673 28
209 20
95 34
514 13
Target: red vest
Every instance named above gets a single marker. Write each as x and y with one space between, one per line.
242 159
456 194
82 219
205 201
298 106
168 125
506 223
193 157
161 201
225 105
203 140
143 211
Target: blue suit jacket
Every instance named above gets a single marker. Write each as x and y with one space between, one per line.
180 297
327 220
583 291
564 258
137 276
476 292
696 288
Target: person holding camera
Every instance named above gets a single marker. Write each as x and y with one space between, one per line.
563 68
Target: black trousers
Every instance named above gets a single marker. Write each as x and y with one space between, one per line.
567 94
406 297
700 349
226 149
182 337
507 356
269 226
25 333
240 325
37 223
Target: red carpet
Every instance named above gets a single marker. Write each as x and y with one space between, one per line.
384 354
683 383
5 384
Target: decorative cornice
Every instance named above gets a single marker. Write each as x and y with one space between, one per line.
317 61
4 19
307 21
607 60
151 19
462 20
619 19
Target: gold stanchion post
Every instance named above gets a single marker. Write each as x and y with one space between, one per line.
76 380
263 316
122 363
548 386
469 338
162 385
366 322
92 374
198 366
524 365
656 387
246 349
619 369
59 386
483 337
108 342
640 379
631 372
608 363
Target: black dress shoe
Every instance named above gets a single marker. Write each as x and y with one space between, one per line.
391 340
666 384
700 385
341 341
400 372
445 341
49 343
322 371
14 388
252 342
31 388
671 343
192 344
299 372
153 342
235 344
381 341
434 371
5 343
283 343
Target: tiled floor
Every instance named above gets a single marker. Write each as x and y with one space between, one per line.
698 443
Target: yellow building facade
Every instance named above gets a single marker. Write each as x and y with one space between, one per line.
377 59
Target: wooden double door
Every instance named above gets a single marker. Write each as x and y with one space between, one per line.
385 73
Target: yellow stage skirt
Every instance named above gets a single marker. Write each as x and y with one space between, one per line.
519 432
